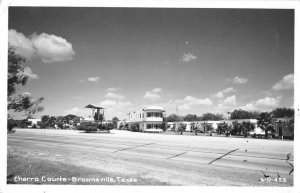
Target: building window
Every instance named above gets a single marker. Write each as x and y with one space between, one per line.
149 126
157 126
154 114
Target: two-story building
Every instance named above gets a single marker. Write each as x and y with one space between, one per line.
149 119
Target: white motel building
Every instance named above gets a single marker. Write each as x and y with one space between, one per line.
149 119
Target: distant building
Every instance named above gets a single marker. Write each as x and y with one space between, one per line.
33 122
149 119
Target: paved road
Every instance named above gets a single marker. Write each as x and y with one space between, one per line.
174 159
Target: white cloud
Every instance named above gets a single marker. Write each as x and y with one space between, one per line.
238 80
79 111
287 82
249 107
115 108
263 104
188 57
28 72
123 104
230 100
220 94
153 94
113 95
81 80
23 45
156 90
50 48
268 101
113 89
93 79
190 101
114 104
73 110
108 103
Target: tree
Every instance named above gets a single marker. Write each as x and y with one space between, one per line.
190 117
212 117
265 121
246 128
52 121
44 121
47 121
222 128
17 78
242 114
11 124
181 128
283 112
60 121
115 121
290 126
236 128
76 120
173 118
209 128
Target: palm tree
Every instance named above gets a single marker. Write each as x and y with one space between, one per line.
265 121
247 127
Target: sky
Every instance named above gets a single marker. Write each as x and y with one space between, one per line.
123 59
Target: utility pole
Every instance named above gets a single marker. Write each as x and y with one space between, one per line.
177 109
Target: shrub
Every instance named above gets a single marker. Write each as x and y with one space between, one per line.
109 126
106 127
88 127
134 127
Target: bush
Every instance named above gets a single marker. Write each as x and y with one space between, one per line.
88 127
109 126
11 124
91 127
106 127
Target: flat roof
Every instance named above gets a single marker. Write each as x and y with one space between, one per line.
93 106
